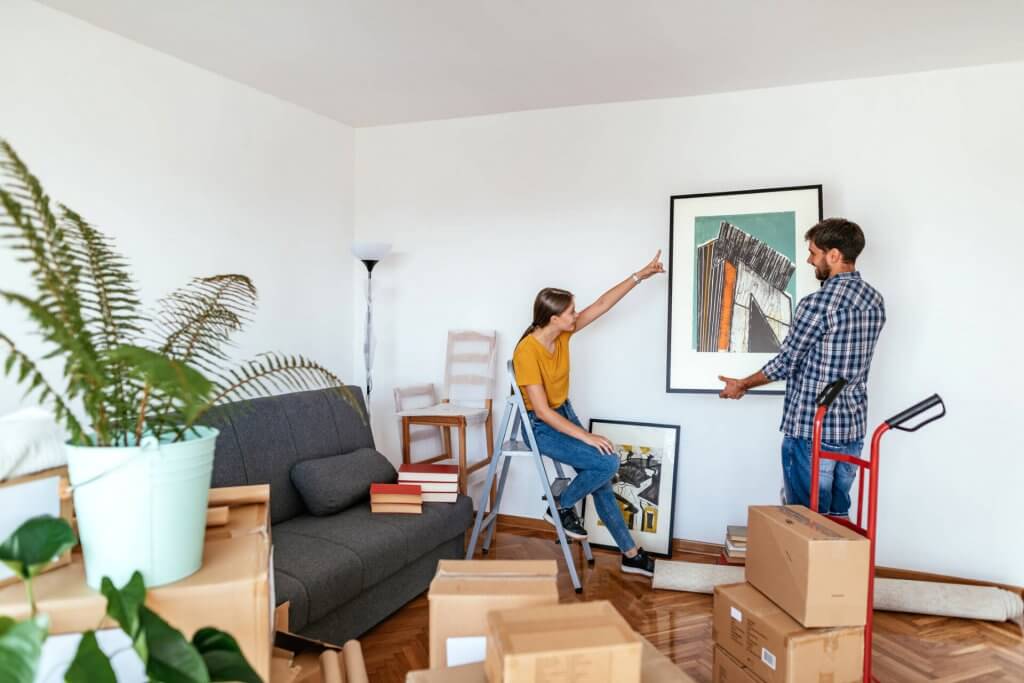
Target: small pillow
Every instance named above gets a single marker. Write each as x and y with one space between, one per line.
332 484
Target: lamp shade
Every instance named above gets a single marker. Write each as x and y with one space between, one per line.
370 251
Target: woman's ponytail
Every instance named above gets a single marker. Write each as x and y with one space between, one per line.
550 301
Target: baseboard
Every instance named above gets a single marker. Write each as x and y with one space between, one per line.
684 546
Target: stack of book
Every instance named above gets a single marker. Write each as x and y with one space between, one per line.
735 545
403 498
439 483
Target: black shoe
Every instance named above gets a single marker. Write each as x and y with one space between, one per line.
570 522
641 563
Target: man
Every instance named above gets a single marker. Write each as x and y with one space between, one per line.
833 335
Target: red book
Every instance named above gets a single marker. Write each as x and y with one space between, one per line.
395 493
395 489
420 472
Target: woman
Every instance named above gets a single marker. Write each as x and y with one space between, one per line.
541 363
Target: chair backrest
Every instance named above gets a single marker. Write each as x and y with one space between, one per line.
424 440
469 365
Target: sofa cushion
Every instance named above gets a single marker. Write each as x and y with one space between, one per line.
332 484
261 439
336 557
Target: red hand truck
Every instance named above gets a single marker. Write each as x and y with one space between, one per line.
824 400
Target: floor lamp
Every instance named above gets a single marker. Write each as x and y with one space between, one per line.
369 253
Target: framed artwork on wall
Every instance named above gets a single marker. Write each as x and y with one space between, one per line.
734 281
644 486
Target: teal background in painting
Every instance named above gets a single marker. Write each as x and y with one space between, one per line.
777 230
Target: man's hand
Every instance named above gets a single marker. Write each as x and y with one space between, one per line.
734 388
652 268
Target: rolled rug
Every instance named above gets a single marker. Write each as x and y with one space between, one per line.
694 577
984 603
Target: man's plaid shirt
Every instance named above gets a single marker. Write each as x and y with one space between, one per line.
833 335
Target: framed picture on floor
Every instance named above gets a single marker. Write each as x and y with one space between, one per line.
644 486
734 281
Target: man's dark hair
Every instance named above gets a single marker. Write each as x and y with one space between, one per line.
838 233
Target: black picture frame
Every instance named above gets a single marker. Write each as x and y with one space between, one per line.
637 478
728 367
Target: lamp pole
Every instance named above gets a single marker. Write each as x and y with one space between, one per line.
370 253
367 360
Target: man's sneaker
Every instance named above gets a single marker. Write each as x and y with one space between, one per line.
641 563
570 522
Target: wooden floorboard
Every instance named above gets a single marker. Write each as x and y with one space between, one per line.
907 647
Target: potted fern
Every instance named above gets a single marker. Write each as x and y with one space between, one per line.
134 388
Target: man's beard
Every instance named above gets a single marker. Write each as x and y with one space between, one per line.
822 275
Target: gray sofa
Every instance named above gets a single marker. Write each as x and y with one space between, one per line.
346 572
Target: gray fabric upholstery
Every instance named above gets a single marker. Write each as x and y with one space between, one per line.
346 572
375 605
261 439
332 484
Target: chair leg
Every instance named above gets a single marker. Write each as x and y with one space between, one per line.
446 441
405 441
462 458
480 514
492 471
490 446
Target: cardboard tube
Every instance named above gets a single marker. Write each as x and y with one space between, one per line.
355 667
331 670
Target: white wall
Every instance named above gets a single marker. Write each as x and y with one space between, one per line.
485 211
190 173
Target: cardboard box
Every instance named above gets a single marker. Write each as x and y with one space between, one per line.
583 641
808 565
230 592
726 669
248 510
297 659
656 668
773 646
31 495
463 592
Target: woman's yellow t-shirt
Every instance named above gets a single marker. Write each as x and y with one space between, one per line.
534 364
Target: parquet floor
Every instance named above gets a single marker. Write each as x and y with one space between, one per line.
906 647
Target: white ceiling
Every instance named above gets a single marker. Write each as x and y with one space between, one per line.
373 62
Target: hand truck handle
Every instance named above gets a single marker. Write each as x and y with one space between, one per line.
913 411
829 393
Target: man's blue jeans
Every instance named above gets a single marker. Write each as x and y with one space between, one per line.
594 472
834 481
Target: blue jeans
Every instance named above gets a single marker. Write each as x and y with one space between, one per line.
835 479
594 472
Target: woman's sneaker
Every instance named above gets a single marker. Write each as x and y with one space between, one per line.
641 563
570 522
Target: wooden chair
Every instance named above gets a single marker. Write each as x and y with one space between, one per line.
468 397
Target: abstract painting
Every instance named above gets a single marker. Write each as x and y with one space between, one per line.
734 281
644 485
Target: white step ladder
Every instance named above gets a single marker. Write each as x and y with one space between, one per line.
525 447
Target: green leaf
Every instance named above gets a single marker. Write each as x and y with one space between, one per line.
224 659
171 658
90 664
35 544
123 605
21 644
170 377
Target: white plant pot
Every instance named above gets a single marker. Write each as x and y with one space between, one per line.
142 507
